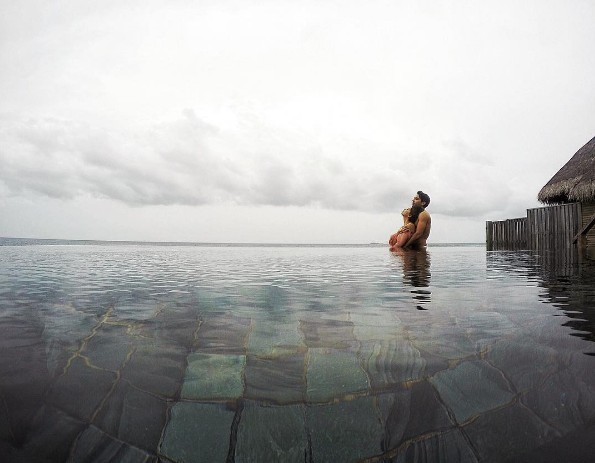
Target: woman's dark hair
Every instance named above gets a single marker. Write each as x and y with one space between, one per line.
414 213
425 199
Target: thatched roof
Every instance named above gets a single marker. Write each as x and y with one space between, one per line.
575 181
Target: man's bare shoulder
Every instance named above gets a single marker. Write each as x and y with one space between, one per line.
425 215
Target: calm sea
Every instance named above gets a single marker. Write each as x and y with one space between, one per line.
143 352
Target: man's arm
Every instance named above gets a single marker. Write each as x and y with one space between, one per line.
422 223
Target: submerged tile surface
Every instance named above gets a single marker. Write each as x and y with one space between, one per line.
472 388
214 376
272 433
198 433
93 445
81 389
280 379
499 435
334 373
223 334
346 431
133 416
328 333
392 362
157 367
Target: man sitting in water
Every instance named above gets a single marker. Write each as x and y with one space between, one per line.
423 224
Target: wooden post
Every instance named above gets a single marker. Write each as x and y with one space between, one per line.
489 236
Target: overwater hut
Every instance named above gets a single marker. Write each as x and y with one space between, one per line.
575 183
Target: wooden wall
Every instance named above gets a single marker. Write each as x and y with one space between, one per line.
552 227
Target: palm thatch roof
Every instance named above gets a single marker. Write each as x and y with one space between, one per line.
575 181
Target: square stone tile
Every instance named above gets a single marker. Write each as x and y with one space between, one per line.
333 374
411 413
472 388
443 447
280 379
223 334
109 347
336 334
214 377
156 366
93 445
272 433
270 338
81 389
498 435
198 432
392 362
133 416
346 431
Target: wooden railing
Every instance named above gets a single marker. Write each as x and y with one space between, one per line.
552 227
506 234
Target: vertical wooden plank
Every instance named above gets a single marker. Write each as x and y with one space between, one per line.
488 235
557 229
531 228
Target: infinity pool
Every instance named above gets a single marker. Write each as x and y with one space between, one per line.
143 353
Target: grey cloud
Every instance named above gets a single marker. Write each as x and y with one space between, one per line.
188 161
466 183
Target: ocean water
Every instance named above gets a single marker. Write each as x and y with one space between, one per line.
145 352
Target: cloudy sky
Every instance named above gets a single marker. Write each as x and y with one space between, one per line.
285 121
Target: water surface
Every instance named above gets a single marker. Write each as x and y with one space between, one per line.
323 354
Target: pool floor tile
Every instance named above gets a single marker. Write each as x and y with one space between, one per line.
279 379
133 416
157 367
276 433
81 389
270 338
214 377
392 362
450 446
223 334
344 432
93 445
472 388
410 413
109 347
496 440
328 333
332 374
198 432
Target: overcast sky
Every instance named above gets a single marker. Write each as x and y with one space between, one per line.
285 121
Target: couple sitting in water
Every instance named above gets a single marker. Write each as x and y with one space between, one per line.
416 225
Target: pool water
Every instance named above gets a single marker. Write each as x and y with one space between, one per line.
144 353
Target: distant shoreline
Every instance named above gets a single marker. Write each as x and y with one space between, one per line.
9 241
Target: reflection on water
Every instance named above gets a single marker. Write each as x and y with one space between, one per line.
568 280
416 272
139 353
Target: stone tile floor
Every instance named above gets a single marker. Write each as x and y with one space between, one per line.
189 386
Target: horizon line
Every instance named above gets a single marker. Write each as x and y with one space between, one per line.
207 243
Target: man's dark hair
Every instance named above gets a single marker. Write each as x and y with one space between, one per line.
425 199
